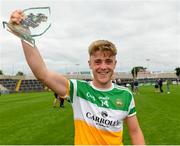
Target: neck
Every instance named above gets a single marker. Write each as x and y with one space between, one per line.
105 86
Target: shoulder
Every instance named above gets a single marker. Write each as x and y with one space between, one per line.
122 89
79 83
123 92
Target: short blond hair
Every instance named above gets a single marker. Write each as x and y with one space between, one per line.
102 45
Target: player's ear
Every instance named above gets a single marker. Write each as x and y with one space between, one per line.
89 62
115 62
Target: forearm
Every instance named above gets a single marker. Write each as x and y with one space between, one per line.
35 61
137 137
135 131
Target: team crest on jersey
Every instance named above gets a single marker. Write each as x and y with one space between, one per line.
119 102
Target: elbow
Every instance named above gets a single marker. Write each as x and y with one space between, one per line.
42 76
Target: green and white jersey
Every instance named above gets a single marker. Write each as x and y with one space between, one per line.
99 114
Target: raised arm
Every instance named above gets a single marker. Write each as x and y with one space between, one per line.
57 82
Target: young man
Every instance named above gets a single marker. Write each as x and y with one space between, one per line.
99 107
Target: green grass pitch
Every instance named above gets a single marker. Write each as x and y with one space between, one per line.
30 119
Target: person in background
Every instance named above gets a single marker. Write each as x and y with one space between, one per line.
132 86
61 102
136 87
156 86
168 82
160 83
58 99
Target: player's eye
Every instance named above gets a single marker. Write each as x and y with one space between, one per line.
109 61
98 61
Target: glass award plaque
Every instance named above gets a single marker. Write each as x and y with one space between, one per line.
35 23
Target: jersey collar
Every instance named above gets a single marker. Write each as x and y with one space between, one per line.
100 89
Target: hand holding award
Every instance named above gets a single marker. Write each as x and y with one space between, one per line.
29 23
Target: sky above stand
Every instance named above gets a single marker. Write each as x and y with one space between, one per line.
146 33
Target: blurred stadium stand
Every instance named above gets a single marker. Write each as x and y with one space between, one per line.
10 84
31 85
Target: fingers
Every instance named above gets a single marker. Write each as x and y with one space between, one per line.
16 16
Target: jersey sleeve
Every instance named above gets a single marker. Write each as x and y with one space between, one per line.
132 108
71 89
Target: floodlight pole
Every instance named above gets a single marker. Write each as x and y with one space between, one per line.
77 70
147 62
147 65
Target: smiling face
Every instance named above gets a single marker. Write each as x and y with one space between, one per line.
102 64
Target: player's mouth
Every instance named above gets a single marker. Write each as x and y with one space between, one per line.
103 73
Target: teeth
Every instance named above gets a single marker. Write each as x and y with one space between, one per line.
103 73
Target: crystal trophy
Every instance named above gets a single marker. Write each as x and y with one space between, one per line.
35 23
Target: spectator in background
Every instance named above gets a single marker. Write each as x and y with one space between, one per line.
136 87
59 100
156 86
132 86
160 83
168 82
56 100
